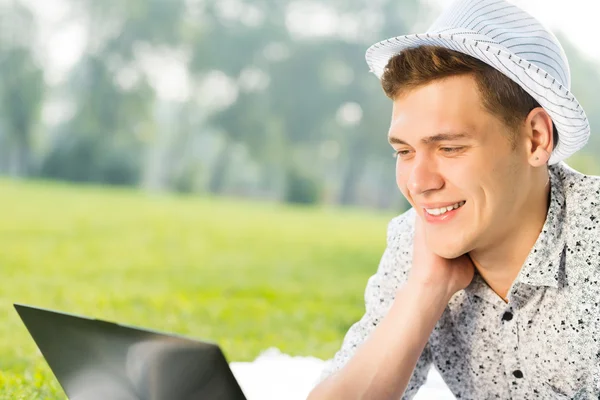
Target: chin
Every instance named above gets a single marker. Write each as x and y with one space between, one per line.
449 253
448 250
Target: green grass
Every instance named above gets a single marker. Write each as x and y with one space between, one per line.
244 274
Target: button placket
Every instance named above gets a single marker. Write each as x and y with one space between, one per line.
512 369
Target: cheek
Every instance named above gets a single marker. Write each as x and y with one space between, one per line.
401 177
401 181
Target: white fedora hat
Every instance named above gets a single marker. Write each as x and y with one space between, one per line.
512 41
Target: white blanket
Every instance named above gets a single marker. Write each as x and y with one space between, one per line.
275 376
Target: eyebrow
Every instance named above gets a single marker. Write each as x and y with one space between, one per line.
440 137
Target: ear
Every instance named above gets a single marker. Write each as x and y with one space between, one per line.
538 130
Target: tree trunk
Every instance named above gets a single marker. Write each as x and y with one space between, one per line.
19 155
354 169
218 176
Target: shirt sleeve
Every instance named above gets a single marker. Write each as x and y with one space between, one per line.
379 296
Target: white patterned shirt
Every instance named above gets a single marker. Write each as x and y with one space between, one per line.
544 343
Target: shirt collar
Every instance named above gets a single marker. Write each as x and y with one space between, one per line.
542 266
479 287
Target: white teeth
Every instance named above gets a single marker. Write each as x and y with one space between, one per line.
443 210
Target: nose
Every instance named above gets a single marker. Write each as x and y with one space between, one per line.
424 175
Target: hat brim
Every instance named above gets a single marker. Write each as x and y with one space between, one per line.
567 114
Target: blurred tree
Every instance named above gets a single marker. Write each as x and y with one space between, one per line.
98 144
104 141
21 95
232 37
263 97
21 87
316 83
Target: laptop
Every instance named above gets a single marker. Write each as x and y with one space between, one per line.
99 360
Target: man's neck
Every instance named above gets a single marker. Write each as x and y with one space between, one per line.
500 264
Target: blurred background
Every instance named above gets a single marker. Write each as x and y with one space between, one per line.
260 99
213 168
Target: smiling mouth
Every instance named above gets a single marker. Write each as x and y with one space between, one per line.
444 210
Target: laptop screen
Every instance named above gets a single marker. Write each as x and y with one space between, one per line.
94 359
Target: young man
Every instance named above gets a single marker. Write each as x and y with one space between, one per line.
493 276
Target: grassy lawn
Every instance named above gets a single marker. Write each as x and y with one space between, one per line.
244 274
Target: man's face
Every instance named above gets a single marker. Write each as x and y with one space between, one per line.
454 153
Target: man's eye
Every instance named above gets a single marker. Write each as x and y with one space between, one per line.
401 153
451 149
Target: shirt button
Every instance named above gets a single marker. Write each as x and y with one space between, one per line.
518 374
507 316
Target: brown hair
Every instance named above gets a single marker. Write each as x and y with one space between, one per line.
501 96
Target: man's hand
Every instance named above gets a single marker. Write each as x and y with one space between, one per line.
437 273
384 363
